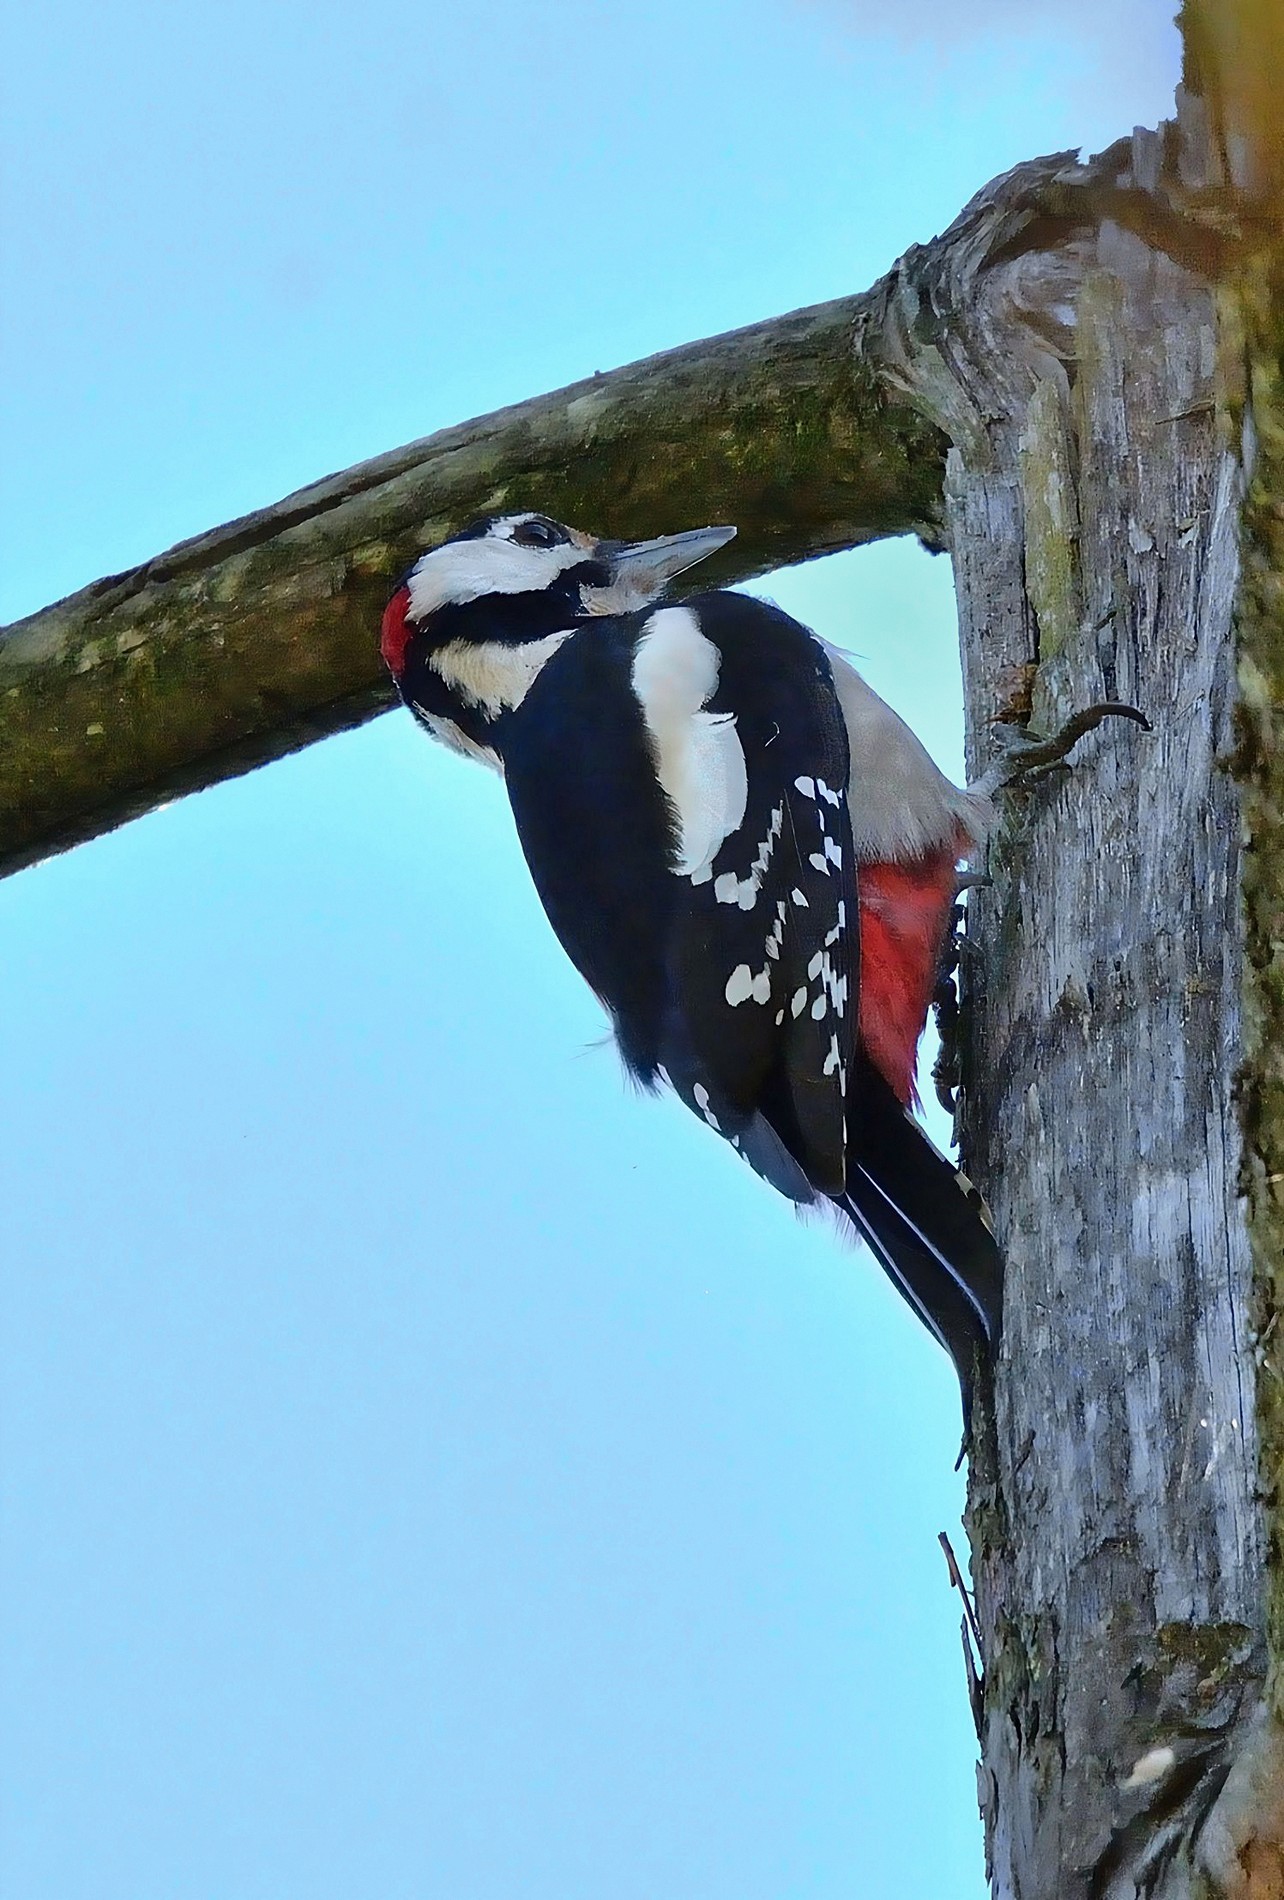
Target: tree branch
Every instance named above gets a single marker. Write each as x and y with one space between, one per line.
807 431
259 637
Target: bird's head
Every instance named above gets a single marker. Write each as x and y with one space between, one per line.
519 578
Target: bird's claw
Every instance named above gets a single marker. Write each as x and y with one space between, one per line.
1026 756
947 1069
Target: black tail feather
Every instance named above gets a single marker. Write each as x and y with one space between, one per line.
926 1226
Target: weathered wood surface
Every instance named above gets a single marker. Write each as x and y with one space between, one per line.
1118 1543
262 635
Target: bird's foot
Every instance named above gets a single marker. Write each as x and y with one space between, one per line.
1027 756
947 1069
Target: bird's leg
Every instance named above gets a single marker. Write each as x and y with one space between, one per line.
1026 756
947 1070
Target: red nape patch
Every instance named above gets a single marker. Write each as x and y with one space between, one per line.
395 635
904 913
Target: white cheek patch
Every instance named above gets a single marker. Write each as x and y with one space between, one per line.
449 734
493 675
461 571
699 760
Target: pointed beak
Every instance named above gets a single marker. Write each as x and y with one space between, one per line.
647 566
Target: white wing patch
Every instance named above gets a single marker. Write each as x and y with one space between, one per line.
699 760
742 985
493 674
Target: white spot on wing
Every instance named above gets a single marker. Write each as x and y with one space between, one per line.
743 984
699 760
739 985
730 889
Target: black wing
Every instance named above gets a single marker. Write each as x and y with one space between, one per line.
741 984
763 952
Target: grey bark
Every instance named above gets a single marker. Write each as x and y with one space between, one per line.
1118 1538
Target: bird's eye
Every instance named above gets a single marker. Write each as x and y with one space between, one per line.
537 533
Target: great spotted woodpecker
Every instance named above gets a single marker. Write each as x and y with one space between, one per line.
745 852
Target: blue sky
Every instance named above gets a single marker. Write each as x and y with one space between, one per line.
429 1470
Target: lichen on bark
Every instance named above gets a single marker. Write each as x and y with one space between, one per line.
1253 357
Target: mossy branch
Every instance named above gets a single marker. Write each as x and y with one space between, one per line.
261 636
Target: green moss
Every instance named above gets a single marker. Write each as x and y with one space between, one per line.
1051 522
1254 342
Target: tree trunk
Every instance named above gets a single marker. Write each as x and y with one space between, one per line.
1119 1538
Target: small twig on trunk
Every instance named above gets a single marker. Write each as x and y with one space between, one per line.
969 1635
